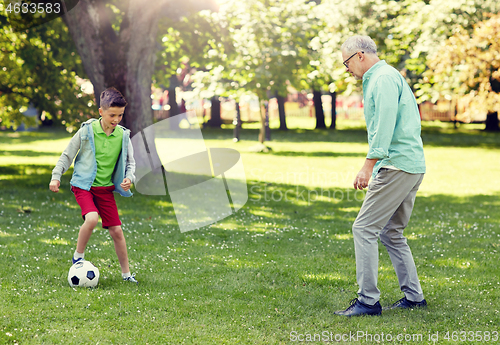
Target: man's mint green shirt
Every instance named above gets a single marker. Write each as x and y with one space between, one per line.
107 150
392 120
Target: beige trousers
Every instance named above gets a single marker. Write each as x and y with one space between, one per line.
385 213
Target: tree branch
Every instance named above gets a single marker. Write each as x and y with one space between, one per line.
4 89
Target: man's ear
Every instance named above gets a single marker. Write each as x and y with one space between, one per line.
100 111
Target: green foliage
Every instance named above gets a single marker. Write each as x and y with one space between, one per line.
466 65
424 26
268 48
262 57
188 42
40 66
335 21
257 47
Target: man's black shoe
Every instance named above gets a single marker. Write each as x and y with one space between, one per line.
358 308
403 303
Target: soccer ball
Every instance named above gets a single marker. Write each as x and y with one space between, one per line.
84 274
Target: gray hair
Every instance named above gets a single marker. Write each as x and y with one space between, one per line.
359 43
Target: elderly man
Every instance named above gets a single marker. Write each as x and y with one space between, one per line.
396 163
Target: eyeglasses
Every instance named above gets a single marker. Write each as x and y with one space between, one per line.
350 57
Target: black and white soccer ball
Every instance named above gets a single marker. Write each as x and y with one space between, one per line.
83 274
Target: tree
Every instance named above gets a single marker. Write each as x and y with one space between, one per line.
40 66
267 43
467 66
423 26
186 46
406 33
117 42
312 73
338 20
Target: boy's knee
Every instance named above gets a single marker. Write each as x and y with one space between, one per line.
116 232
92 218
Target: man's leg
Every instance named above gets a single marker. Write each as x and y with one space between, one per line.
385 194
399 251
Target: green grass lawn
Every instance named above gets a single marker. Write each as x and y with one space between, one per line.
274 272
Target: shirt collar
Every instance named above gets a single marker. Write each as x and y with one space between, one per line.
99 129
372 69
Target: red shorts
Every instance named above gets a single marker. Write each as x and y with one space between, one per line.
100 200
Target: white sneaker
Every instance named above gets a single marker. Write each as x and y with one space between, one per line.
131 279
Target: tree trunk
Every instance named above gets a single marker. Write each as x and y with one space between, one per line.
124 60
281 112
215 119
333 125
85 27
172 97
237 123
172 102
141 58
492 117
266 124
318 107
265 131
492 122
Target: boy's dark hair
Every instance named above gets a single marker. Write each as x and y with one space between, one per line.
111 97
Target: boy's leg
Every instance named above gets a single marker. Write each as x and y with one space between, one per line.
120 247
90 216
86 229
108 211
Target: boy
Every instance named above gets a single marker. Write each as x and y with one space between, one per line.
104 164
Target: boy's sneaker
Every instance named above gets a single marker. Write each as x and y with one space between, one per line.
131 279
76 260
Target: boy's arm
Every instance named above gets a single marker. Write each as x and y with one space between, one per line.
67 157
130 168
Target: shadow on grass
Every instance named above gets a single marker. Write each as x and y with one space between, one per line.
289 250
28 153
432 135
22 176
459 138
317 154
44 133
291 135
283 205
458 227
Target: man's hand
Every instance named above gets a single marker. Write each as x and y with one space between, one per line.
126 184
54 185
363 177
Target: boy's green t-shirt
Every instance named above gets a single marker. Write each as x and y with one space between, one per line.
107 150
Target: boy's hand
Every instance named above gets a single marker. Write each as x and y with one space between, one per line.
54 185
126 184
